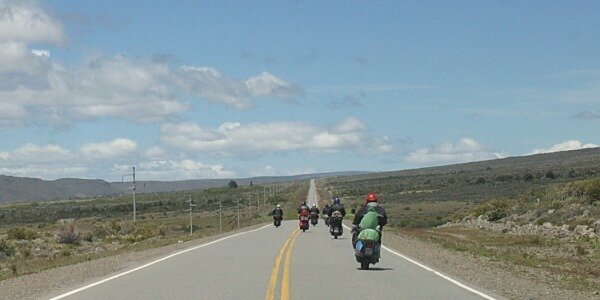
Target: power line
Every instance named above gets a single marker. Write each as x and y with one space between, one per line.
134 189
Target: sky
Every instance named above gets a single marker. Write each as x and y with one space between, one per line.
231 89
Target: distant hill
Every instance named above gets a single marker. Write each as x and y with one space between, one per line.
476 181
14 189
585 162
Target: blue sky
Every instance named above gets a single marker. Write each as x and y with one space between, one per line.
234 89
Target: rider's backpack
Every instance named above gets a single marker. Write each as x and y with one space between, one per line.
369 220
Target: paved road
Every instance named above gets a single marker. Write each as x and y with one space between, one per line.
277 263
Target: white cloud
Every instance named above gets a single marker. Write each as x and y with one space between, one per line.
24 21
231 138
154 152
180 170
48 161
564 146
115 148
139 90
349 125
31 153
208 83
465 150
100 160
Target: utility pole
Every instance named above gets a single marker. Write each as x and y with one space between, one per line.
220 216
238 213
250 210
133 188
190 210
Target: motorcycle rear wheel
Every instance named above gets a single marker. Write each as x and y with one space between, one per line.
364 265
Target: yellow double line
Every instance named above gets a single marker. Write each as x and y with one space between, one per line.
285 283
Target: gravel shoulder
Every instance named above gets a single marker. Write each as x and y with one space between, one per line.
503 279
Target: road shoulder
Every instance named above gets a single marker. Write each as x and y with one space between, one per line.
500 278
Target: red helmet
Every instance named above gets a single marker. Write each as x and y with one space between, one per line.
371 197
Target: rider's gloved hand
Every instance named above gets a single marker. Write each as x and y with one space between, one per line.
354 228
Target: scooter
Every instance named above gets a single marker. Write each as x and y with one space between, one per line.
367 248
335 224
314 219
303 221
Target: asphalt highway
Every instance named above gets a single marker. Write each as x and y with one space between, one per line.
276 263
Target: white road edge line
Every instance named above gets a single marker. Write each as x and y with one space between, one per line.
466 287
153 262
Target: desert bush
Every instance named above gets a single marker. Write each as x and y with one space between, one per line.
22 233
550 175
497 206
126 228
6 247
68 234
25 251
590 189
103 230
87 236
480 181
496 214
116 227
161 230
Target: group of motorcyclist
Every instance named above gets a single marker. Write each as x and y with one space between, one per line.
370 208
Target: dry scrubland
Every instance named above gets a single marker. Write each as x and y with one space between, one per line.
540 213
41 235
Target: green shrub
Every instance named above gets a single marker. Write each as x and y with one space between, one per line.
22 233
68 234
496 214
494 209
6 247
103 230
550 175
590 189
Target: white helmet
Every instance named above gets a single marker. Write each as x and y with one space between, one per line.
314 205
278 205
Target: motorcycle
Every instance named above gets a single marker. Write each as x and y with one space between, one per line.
277 221
314 218
367 249
303 221
335 224
326 219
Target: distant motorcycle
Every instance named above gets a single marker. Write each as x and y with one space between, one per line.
277 221
335 224
326 219
314 218
303 221
367 249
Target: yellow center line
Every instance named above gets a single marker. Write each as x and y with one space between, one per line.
285 284
273 281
